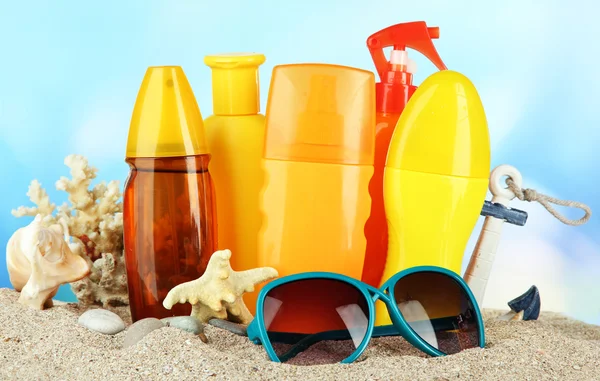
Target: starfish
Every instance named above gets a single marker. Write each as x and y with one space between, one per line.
218 292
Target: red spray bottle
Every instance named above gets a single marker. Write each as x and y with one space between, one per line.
392 94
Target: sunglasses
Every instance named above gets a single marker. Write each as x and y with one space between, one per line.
431 307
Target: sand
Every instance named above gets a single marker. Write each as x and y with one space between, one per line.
50 345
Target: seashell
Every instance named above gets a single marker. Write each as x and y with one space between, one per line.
39 260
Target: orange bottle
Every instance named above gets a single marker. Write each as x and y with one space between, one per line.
392 94
318 162
168 203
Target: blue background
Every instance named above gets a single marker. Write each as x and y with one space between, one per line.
70 72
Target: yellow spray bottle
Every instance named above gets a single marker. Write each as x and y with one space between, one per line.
235 137
436 176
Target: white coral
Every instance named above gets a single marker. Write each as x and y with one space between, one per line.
38 195
95 221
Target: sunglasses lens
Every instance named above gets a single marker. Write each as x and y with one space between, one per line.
328 316
439 310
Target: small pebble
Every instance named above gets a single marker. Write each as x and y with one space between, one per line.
186 323
103 321
138 330
238 329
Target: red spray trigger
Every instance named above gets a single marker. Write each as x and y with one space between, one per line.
395 88
415 35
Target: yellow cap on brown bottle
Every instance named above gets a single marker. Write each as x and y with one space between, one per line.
166 120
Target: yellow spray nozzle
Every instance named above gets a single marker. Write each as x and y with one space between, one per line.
166 120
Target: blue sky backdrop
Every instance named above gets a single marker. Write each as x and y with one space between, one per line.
70 72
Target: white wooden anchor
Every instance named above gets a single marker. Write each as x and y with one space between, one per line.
497 212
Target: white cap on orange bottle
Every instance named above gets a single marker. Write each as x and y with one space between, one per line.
400 57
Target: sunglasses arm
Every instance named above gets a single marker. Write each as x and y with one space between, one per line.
442 324
300 341
305 341
252 332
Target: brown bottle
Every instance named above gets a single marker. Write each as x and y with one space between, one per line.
169 214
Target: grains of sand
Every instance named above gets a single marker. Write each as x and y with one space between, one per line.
50 345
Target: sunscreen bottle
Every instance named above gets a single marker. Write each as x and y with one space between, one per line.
436 176
318 159
392 94
169 227
235 135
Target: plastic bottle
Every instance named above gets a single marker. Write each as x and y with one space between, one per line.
319 151
392 94
168 203
436 176
235 135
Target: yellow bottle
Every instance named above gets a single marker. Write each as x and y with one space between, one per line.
235 136
436 176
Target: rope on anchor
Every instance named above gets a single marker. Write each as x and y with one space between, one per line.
532 195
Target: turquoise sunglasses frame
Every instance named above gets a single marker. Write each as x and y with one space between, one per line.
257 332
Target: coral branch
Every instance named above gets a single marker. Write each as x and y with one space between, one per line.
40 198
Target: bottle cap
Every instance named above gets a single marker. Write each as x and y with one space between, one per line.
235 83
443 130
166 120
321 113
